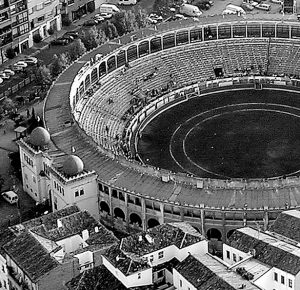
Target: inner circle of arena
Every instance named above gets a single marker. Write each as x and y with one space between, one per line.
100 107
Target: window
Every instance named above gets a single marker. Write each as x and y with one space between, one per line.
4 284
228 254
160 255
275 276
139 275
160 274
3 269
151 258
282 279
241 258
63 191
114 193
33 179
234 257
180 283
26 176
41 18
76 193
100 187
290 283
81 192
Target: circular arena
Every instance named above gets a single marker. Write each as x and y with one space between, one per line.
187 121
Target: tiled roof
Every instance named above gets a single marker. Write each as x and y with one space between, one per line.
71 225
30 256
126 264
6 235
288 224
98 278
206 273
50 220
268 249
179 234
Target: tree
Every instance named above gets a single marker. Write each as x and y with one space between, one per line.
42 76
141 18
37 38
10 53
8 105
110 30
76 49
58 64
93 38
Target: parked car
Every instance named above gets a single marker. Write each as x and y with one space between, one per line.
4 76
10 196
68 37
60 41
21 64
73 33
91 22
99 18
30 60
263 6
247 6
154 18
105 15
9 71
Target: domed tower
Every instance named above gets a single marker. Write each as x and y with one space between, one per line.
39 137
73 165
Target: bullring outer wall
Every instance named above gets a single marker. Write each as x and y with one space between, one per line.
132 196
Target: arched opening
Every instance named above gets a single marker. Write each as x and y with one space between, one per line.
135 219
104 207
214 234
132 53
119 213
87 82
153 223
143 48
229 233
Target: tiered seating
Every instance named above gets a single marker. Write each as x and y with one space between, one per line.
284 57
101 116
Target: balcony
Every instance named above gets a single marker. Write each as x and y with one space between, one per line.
16 280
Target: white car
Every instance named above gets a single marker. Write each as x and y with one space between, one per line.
9 72
105 15
99 18
154 18
263 6
4 76
21 64
10 196
30 60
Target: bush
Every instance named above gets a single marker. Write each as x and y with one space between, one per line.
51 31
91 7
37 38
66 20
10 53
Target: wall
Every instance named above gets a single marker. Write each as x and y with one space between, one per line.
177 277
56 278
3 273
232 251
132 280
71 244
85 260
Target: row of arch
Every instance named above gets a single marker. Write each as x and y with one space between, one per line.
134 218
253 29
211 233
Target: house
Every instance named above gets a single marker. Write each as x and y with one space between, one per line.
147 258
46 252
269 260
206 272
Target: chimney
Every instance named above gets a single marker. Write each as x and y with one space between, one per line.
96 229
149 239
85 235
59 223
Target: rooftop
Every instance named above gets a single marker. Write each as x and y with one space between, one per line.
214 275
179 234
267 249
30 256
287 224
98 278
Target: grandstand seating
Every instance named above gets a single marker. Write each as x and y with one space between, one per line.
103 120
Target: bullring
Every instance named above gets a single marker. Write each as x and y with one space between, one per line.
96 108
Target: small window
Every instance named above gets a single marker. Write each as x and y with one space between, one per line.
282 279
275 276
228 254
234 257
55 206
160 255
106 190
81 192
63 191
241 258
3 269
139 275
290 283
4 284
180 282
26 176
100 186
76 193
160 274
151 258
114 193
33 179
